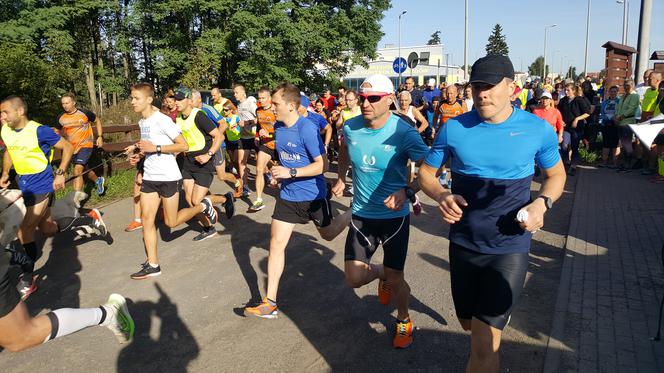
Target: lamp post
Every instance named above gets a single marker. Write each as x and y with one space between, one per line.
465 44
625 19
585 56
544 65
402 13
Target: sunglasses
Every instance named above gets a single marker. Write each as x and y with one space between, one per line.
371 98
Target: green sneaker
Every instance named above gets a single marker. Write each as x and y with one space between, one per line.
120 321
257 206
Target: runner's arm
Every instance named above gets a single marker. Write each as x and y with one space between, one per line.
222 125
328 135
420 118
67 152
99 141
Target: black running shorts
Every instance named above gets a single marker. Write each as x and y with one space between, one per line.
266 150
163 188
248 144
34 199
9 296
219 157
319 211
365 235
203 179
486 286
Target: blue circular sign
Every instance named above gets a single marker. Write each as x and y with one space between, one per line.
399 65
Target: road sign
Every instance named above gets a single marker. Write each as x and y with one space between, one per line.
399 65
413 60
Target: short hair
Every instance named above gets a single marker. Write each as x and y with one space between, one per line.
320 101
16 102
240 85
614 87
406 94
410 77
354 92
629 81
659 74
341 87
144 87
71 95
264 89
289 92
197 94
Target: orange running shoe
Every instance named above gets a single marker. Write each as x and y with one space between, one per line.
264 310
238 189
134 225
384 293
404 336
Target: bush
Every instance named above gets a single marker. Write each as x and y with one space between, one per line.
588 156
118 186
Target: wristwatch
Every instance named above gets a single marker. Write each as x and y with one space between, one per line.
59 172
210 153
548 202
410 194
293 172
158 149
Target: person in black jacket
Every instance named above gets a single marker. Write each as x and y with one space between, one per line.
574 109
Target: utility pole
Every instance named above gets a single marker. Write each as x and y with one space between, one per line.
643 47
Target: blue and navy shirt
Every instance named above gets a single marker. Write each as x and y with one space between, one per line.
297 147
492 167
379 158
215 117
41 182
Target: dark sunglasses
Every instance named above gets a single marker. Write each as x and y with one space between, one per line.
371 98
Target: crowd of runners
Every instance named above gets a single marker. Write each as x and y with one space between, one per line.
443 140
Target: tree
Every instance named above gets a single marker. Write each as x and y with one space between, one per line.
435 38
571 73
497 43
535 68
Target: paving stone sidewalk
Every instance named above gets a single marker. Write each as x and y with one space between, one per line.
612 278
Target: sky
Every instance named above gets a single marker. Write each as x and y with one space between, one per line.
523 25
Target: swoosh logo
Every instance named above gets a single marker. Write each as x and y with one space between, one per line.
516 133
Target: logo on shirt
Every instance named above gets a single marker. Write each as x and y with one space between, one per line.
369 161
289 156
291 145
516 133
389 148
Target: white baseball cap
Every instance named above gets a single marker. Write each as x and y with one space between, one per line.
546 94
377 84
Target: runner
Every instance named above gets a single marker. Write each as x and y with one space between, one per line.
29 150
218 100
352 109
219 156
493 149
161 139
265 143
246 109
303 194
171 108
76 128
233 143
379 145
449 108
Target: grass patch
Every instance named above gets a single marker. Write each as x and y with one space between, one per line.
118 186
589 157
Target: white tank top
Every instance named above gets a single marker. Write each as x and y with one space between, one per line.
409 113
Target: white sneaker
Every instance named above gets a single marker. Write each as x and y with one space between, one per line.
119 319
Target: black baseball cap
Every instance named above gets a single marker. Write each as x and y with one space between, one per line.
491 69
182 93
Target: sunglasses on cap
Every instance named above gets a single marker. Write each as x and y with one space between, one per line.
372 98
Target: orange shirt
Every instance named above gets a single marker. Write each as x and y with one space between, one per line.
266 119
77 128
449 111
551 116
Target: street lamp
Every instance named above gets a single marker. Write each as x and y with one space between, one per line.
465 44
585 55
544 67
402 13
625 19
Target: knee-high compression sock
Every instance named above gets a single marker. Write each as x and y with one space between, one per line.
66 321
31 250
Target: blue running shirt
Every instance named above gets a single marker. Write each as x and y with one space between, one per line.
492 167
297 147
379 158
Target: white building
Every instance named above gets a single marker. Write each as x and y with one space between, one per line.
431 63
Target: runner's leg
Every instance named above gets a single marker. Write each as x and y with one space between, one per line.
149 206
280 234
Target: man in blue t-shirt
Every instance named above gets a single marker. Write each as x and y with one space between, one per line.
379 145
493 150
303 196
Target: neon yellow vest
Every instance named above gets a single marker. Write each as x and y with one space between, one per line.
347 114
24 150
190 132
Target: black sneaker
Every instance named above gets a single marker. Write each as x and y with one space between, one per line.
146 271
208 232
229 205
209 210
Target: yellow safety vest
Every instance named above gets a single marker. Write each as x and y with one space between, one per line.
347 114
24 150
190 132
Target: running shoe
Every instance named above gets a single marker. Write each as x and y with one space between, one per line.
384 293
417 206
209 210
257 206
264 310
100 185
205 234
26 286
146 271
229 205
121 323
238 189
404 335
98 222
245 191
134 225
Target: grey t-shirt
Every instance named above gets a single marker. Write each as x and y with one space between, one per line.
247 111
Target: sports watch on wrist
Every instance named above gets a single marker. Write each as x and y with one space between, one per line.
210 153
158 149
410 194
293 172
548 202
59 172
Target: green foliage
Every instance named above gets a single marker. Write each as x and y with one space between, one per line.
49 46
118 186
535 68
435 38
587 156
497 43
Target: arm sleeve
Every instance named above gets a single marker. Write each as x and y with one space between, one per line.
415 146
46 135
204 123
311 140
547 156
91 116
440 150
